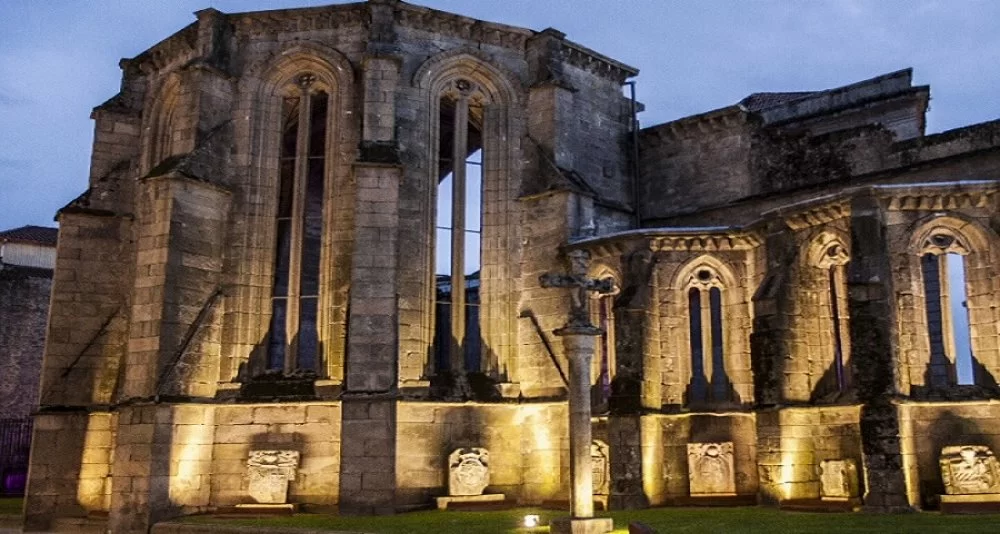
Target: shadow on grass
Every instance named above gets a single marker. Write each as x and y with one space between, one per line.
749 520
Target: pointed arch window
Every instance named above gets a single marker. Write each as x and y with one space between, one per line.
832 259
295 313
709 378
602 367
457 333
942 268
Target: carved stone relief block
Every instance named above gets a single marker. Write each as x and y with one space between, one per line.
601 463
969 469
838 479
468 471
710 469
268 473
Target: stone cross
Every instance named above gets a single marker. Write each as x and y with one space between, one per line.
578 340
581 286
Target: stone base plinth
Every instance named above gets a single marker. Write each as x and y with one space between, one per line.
981 503
823 504
593 525
268 509
716 500
600 503
443 502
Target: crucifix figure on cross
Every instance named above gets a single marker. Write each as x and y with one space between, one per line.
581 286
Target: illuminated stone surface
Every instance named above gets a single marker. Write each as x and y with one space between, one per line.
711 470
838 479
969 469
468 471
268 475
799 220
601 463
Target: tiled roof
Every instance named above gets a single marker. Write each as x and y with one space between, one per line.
36 235
762 101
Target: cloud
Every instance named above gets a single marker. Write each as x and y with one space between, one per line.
10 99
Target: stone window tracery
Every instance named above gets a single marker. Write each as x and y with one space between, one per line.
709 379
293 342
830 256
603 364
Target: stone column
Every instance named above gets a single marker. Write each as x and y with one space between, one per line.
578 340
579 344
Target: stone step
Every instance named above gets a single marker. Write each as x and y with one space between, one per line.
80 525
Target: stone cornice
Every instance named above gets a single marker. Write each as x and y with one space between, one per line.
432 20
697 125
935 199
707 242
584 58
179 47
693 239
257 23
813 213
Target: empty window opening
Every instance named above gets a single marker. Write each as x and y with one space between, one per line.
603 367
948 330
837 315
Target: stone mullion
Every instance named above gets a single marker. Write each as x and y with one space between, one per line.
297 231
458 190
947 318
707 349
839 281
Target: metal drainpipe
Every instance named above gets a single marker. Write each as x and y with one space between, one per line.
635 155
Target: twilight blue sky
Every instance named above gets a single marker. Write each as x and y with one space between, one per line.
59 58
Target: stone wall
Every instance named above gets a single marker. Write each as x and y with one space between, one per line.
312 429
665 455
926 428
686 166
70 466
792 442
24 310
528 445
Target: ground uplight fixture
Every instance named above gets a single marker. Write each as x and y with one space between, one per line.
531 520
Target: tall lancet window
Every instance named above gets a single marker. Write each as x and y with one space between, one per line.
832 260
603 365
294 333
709 379
457 340
942 266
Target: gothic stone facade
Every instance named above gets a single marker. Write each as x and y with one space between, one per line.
256 261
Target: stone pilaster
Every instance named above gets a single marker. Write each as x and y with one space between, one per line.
636 383
873 353
161 466
369 426
770 341
174 345
69 467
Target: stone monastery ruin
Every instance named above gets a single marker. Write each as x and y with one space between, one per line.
306 270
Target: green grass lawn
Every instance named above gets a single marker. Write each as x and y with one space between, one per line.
665 520
10 506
